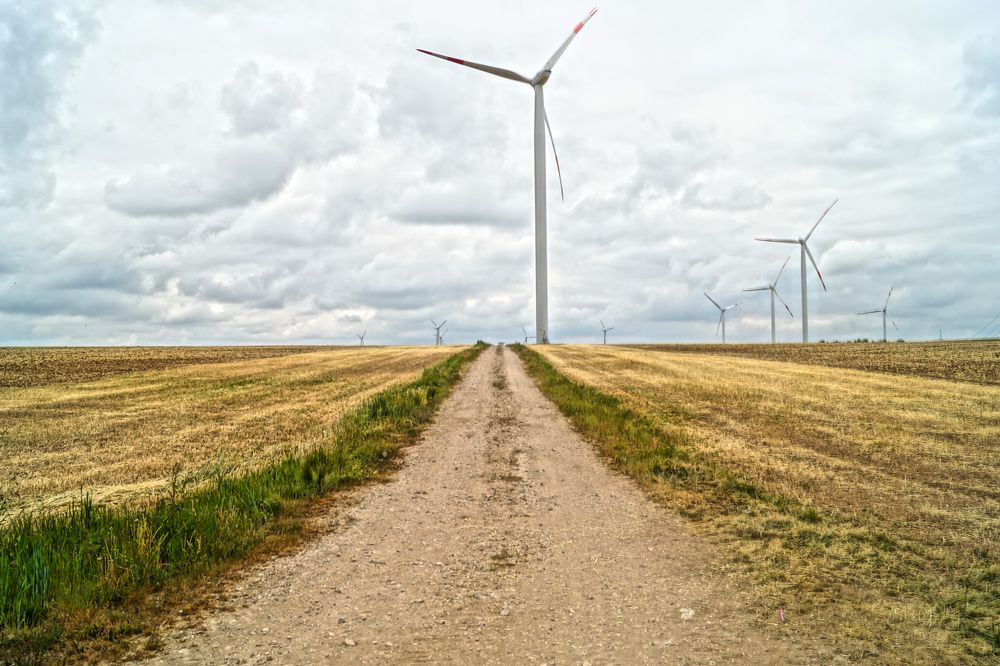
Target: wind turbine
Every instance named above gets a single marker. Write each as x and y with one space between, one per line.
884 315
437 330
526 336
605 329
773 288
722 316
803 251
362 338
541 125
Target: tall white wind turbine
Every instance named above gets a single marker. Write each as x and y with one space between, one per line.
722 316
803 252
605 329
884 309
773 288
437 330
526 336
361 338
541 125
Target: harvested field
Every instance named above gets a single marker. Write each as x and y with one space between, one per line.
38 366
895 477
125 436
968 361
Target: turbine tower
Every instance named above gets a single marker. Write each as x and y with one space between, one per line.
883 310
541 125
773 288
361 338
722 316
803 252
437 331
526 336
605 329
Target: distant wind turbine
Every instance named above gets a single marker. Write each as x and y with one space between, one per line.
884 309
722 316
773 288
803 252
541 125
437 330
605 329
362 338
526 336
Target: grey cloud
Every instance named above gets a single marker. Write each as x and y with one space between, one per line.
258 102
256 163
240 175
982 73
40 41
735 197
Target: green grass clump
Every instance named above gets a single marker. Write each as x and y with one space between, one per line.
91 558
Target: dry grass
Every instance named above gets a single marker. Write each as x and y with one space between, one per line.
969 361
123 436
38 366
900 536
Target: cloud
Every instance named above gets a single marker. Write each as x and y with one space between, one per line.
982 73
239 175
258 102
210 172
276 129
40 43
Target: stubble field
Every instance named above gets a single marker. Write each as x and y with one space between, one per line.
123 424
866 499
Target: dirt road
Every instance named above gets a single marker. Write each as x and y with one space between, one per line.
502 539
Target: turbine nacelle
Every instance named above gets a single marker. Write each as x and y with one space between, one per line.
541 78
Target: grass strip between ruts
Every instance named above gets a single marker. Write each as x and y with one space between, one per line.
854 583
80 577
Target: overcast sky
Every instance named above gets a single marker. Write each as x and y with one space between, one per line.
259 172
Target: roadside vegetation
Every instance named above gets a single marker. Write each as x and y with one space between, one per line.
77 582
862 506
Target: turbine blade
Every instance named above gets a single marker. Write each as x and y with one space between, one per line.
444 322
793 241
489 69
820 219
730 307
713 301
602 323
722 313
783 303
781 271
870 312
562 193
758 289
894 324
576 29
813 260
612 328
887 298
